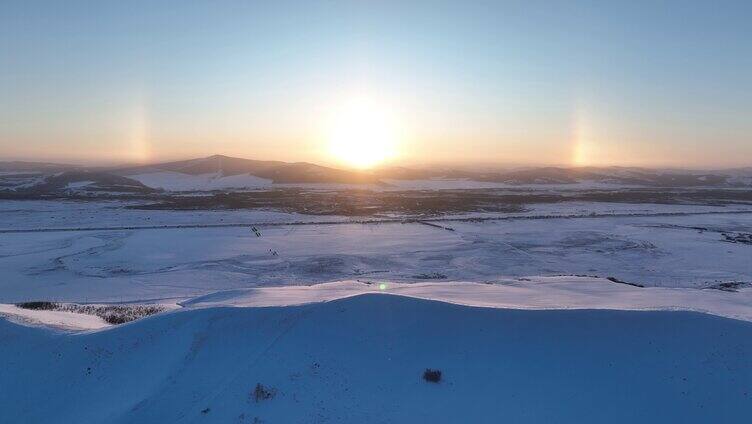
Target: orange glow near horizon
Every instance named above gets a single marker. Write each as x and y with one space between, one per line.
363 133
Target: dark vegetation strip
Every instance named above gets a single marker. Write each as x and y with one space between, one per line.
370 221
112 314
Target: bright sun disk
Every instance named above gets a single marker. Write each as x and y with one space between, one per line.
363 134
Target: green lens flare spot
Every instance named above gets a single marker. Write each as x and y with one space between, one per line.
382 286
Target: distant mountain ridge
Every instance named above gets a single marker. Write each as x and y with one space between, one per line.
22 166
219 172
276 171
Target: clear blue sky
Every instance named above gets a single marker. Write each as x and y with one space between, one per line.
583 82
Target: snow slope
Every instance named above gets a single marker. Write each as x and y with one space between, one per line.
176 181
56 319
360 360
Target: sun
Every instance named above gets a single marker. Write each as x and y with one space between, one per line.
363 133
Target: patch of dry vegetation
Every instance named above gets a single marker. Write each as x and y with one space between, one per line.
112 314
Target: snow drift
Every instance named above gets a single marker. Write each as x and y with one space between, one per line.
361 359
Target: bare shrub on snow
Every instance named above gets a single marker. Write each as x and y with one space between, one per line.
432 376
263 393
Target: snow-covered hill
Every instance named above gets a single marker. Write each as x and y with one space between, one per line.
361 359
219 166
175 181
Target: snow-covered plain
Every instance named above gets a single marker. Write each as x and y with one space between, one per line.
515 309
69 214
125 264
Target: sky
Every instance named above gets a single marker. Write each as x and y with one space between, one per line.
637 83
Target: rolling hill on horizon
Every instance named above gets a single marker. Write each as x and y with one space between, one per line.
219 172
279 172
276 171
